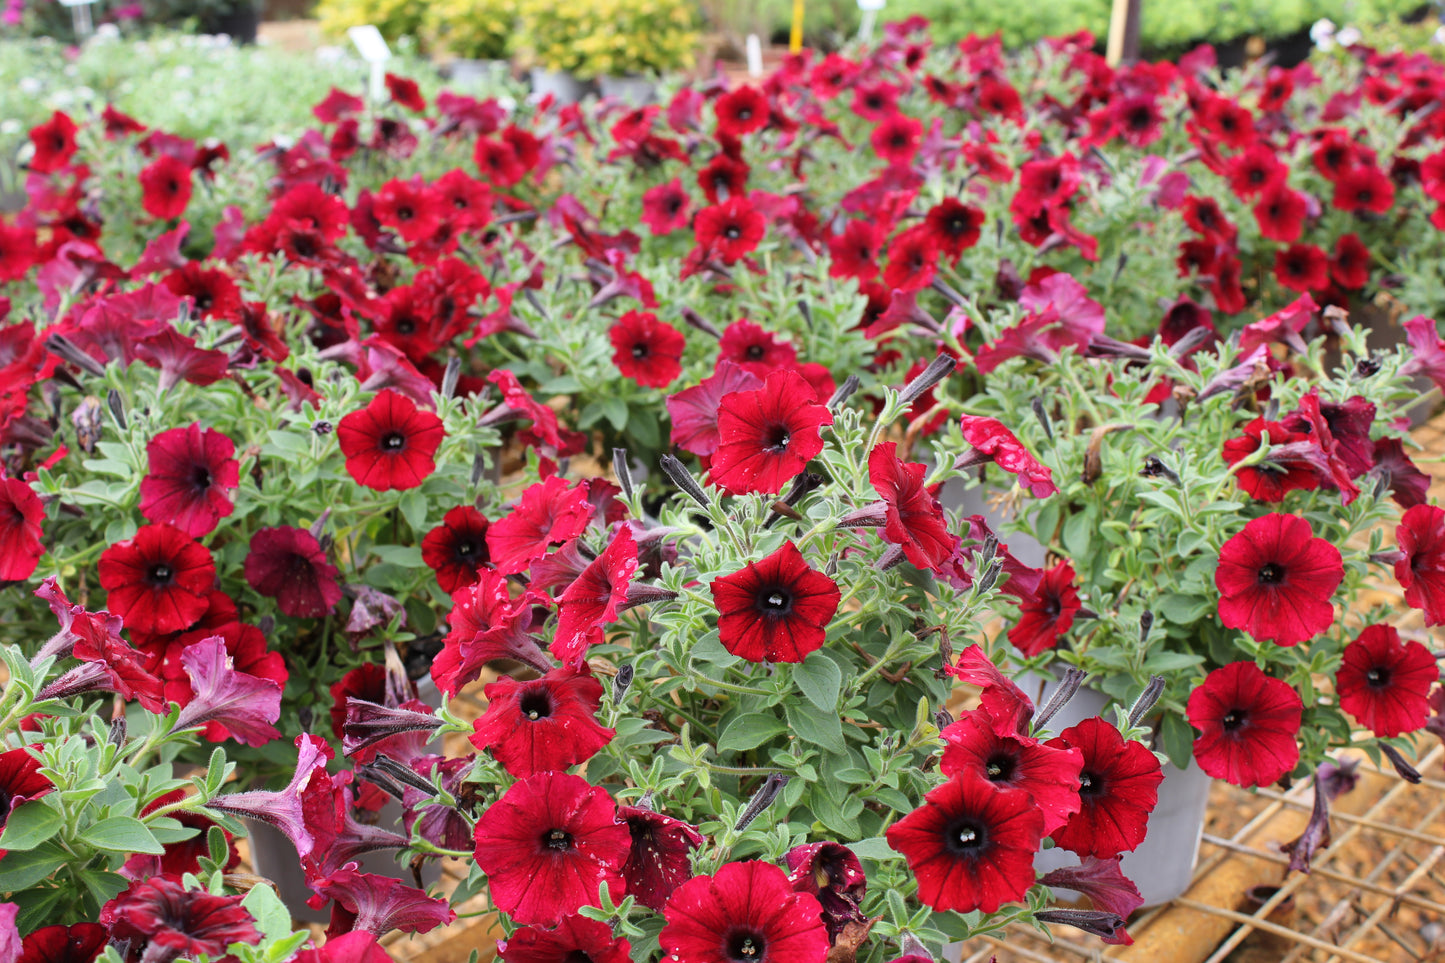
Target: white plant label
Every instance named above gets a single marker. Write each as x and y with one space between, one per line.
370 43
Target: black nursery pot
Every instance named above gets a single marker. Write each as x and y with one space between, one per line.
240 24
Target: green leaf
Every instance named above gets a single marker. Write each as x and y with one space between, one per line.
749 731
1078 532
413 509
273 919
290 443
30 825
1177 737
1190 541
283 949
168 830
821 680
1183 609
123 834
21 870
821 729
614 409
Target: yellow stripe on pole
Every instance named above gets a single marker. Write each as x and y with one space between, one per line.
795 38
1118 23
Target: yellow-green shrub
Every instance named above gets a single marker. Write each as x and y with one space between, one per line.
606 37
394 18
477 29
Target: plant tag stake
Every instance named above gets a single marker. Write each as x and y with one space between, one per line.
870 10
755 56
373 49
80 17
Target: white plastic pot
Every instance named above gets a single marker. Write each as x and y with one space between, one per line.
564 88
634 91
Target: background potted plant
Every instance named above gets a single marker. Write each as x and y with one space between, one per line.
474 33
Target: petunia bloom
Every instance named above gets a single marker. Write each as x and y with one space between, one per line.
548 513
158 580
173 923
1118 789
765 437
776 609
1385 683
457 548
594 598
390 444
660 859
245 704
647 350
487 624
20 514
914 519
193 472
1011 760
289 565
1275 580
544 724
1047 612
992 442
745 911
76 943
548 844
1421 569
1247 724
971 845
576 938
694 411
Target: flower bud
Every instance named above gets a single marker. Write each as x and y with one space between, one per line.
693 319
989 578
623 471
403 774
116 404
1407 772
943 718
117 731
1366 368
1096 922
68 350
1146 700
844 392
1037 404
449 379
1146 622
938 369
621 682
683 479
1068 685
1195 338
761 800
1154 468
806 310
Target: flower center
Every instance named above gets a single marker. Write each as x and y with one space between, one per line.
1090 784
405 326
745 113
775 601
755 352
466 550
535 705
639 351
746 945
393 441
1271 574
558 839
160 574
1233 720
201 477
776 439
1378 677
732 232
965 837
999 768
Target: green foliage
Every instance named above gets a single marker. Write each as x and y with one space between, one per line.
394 18
476 29
606 37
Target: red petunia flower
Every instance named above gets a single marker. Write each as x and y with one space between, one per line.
660 859
1118 789
1364 187
745 911
1421 572
172 922
1288 467
1255 169
486 624
549 513
157 581
914 518
548 844
765 437
20 781
404 91
647 350
245 705
723 177
179 358
694 410
1204 215
992 442
1247 724
857 250
594 598
166 183
1350 267
971 845
377 904
897 138
21 512
389 444
575 938
776 609
756 350
457 548
665 208
1385 683
1408 485
76 943
730 230
741 111
1009 760
1275 580
18 253
411 208
542 724
54 143
832 873
912 260
1280 213
213 292
954 226
1047 612
1302 267
1006 704
192 473
289 565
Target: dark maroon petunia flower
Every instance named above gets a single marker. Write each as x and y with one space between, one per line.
389 444
377 904
1247 723
21 512
660 859
744 912
647 350
1106 886
542 724
594 598
694 410
1350 267
212 291
1385 683
54 143
914 518
1047 612
20 781
168 922
1118 789
289 565
665 208
575 939
166 187
1275 580
487 624
776 609
405 92
1302 267
1010 760
741 111
954 226
755 349
1292 464
1421 572
971 845
765 437
1408 485
1006 704
192 473
179 359
548 844
730 230
992 442
246 705
548 514
457 548
833 874
76 943
157 581
912 260
1281 213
